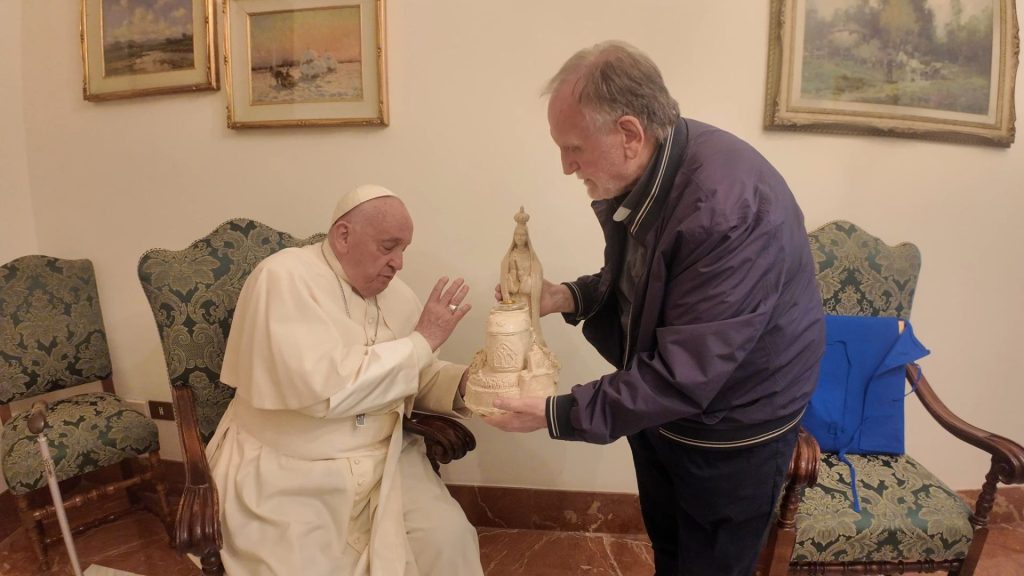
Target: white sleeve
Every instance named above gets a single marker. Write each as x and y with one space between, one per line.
389 374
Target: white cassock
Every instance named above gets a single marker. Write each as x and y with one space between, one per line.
313 474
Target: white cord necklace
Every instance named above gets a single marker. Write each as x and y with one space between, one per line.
369 341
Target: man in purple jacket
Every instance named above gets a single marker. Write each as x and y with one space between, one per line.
706 306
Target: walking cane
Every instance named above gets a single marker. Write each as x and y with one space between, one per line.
36 425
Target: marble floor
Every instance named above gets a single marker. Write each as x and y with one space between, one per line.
138 544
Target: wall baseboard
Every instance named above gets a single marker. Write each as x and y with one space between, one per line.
618 513
542 509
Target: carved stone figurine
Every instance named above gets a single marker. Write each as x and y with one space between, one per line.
515 360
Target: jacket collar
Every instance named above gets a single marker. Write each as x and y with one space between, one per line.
650 193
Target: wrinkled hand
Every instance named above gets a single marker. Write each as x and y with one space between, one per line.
524 414
438 319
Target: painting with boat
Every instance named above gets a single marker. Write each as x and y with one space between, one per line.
305 63
312 55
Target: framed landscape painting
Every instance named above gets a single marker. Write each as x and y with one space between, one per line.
305 63
933 69
143 47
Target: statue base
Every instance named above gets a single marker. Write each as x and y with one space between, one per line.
511 364
483 387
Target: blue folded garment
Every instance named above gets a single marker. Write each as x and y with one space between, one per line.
857 407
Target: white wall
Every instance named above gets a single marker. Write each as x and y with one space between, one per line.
468 144
17 222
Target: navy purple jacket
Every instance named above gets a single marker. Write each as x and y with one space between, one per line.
727 328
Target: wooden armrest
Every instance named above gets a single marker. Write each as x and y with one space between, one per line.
803 473
446 439
1007 455
803 467
197 526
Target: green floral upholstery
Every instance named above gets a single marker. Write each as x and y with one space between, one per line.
859 275
193 292
86 432
52 338
906 514
51 327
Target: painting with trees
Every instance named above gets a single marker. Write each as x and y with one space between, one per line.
147 36
938 69
145 47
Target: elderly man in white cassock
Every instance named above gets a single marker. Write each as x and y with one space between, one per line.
327 351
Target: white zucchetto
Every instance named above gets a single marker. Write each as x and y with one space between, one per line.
363 193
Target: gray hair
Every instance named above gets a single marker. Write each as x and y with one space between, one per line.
614 79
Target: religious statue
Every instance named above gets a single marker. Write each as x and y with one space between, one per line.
515 360
522 275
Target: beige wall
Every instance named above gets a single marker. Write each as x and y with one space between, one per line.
468 144
17 221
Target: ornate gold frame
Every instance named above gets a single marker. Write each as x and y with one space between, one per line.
96 87
372 109
785 111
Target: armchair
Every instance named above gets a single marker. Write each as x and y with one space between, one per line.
192 293
909 521
52 339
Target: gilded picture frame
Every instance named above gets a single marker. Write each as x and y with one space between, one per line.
305 63
136 48
932 69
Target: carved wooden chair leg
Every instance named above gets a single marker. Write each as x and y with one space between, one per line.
127 473
781 539
782 536
34 529
979 519
156 478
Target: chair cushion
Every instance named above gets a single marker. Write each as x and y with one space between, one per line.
906 514
86 432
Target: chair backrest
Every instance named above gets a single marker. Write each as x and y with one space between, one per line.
193 293
51 327
859 275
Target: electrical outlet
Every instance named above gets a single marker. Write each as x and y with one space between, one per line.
137 405
161 410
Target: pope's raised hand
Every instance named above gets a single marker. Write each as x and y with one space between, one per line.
442 311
